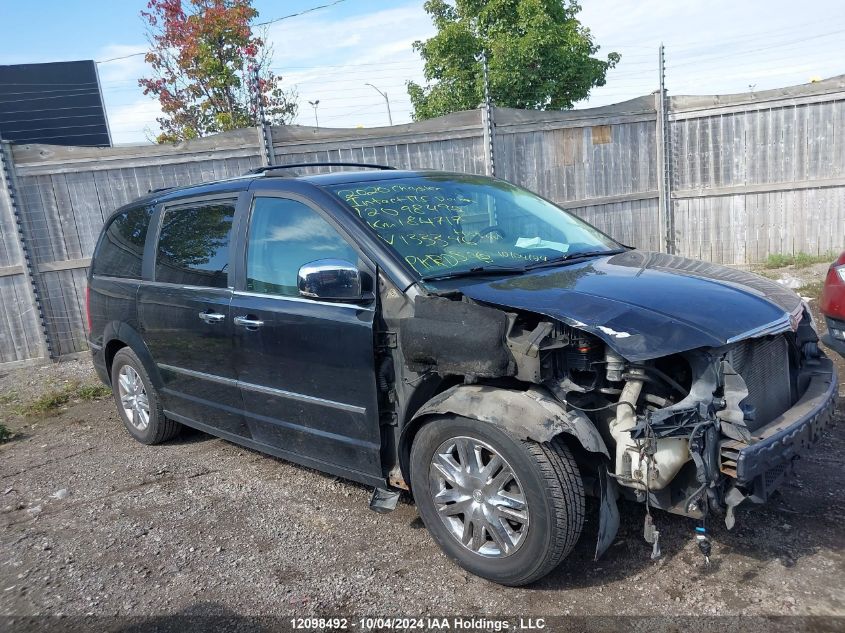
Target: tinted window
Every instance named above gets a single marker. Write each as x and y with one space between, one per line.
284 235
193 247
122 249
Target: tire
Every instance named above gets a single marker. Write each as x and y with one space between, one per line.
545 477
152 428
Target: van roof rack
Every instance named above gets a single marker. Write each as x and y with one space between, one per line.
264 170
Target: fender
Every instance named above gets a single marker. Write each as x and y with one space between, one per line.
125 333
532 414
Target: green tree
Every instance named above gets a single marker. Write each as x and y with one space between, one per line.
202 54
539 56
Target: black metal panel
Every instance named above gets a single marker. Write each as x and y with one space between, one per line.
59 103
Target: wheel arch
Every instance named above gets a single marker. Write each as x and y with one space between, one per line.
118 335
529 414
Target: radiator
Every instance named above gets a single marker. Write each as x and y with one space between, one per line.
763 364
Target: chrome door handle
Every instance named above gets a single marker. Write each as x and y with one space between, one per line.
212 317
248 323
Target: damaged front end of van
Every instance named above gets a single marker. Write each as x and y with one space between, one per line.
686 386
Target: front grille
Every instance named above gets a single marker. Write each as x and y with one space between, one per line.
763 364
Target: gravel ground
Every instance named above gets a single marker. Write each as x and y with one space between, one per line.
95 523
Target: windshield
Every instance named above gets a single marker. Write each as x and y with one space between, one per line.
446 224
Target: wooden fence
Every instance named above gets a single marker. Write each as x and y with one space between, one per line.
747 176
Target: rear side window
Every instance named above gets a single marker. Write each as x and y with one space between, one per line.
121 251
193 245
283 235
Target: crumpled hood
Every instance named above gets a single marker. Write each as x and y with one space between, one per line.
646 305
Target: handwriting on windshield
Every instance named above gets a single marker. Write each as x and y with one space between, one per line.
463 259
435 220
418 215
400 205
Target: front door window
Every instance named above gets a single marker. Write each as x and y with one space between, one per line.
284 234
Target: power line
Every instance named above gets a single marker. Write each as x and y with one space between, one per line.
744 52
294 15
284 17
114 59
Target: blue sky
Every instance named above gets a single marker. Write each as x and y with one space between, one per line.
719 46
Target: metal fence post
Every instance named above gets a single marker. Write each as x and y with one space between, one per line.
8 183
267 155
664 163
487 122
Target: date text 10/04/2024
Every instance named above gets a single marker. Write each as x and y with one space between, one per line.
457 623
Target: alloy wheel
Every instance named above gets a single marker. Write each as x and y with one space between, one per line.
478 497
133 397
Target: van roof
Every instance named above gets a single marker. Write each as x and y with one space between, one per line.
239 183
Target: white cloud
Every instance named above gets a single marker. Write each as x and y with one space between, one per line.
133 122
132 115
322 37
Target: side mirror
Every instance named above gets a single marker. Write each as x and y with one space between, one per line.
330 280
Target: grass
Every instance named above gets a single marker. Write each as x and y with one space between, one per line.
812 290
9 397
58 398
799 260
96 391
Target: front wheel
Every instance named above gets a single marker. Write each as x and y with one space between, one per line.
505 509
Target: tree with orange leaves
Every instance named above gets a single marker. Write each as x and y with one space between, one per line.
203 55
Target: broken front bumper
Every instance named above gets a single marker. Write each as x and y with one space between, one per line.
763 463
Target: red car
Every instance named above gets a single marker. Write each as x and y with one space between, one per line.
833 305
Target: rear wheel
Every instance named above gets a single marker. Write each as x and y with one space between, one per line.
503 508
137 400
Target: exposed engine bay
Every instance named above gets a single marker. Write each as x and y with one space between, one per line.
679 430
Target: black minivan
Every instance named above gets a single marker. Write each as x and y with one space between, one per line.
459 337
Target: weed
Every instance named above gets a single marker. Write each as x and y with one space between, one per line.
48 402
799 260
778 260
812 290
92 392
57 398
5 434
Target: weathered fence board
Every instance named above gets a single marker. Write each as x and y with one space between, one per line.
759 174
752 175
21 333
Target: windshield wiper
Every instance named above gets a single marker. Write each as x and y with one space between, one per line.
573 256
490 269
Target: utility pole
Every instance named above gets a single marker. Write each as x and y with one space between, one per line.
664 160
314 105
386 100
487 119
